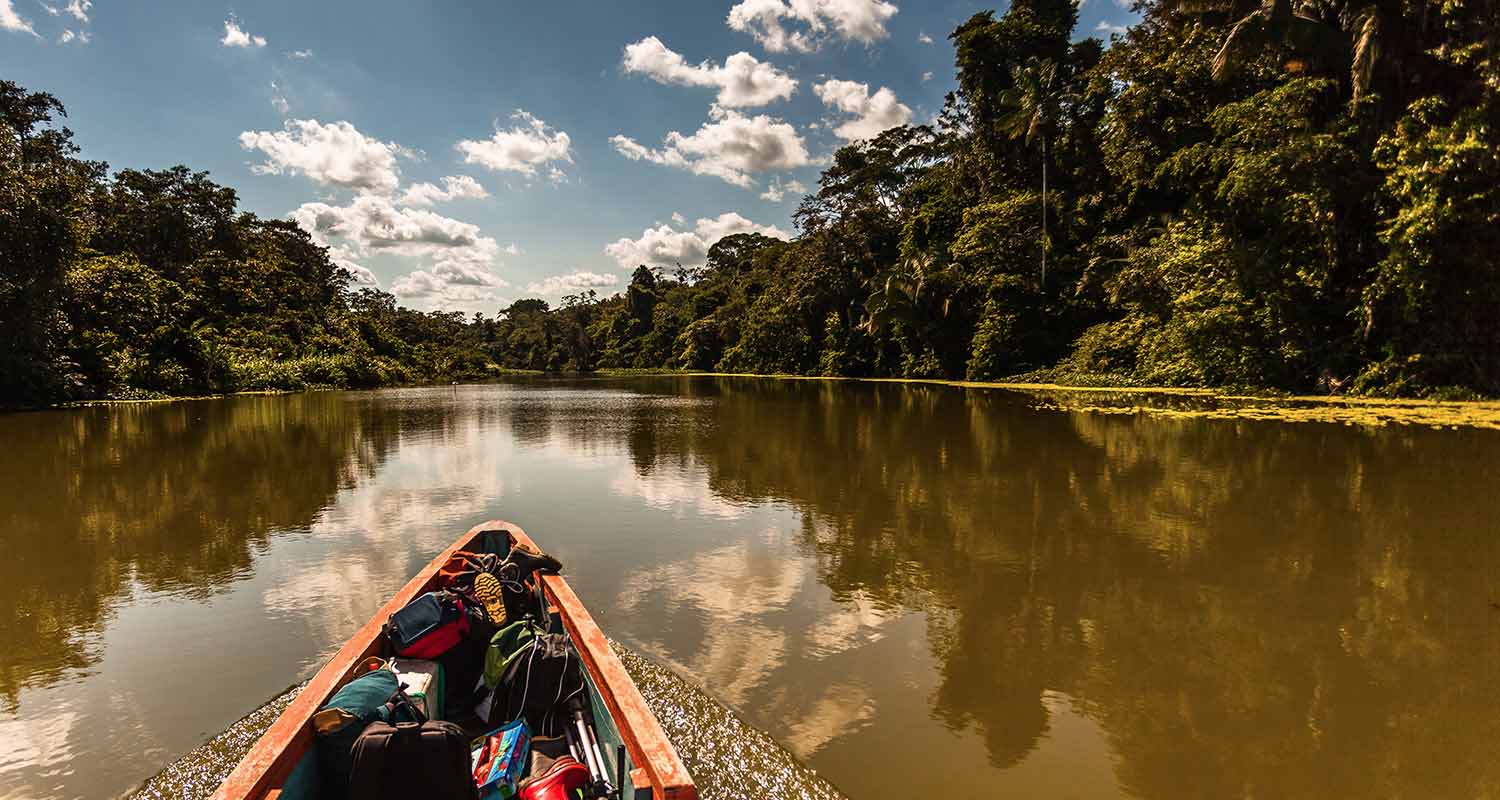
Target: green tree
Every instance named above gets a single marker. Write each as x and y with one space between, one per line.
1430 311
1035 106
45 193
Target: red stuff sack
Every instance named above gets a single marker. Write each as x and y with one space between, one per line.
562 781
428 627
463 567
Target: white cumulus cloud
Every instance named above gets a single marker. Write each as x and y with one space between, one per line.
459 259
874 114
525 147
235 36
572 283
1110 28
924 38
454 187
80 10
343 256
778 190
667 246
11 21
424 288
742 81
373 222
336 154
802 25
731 146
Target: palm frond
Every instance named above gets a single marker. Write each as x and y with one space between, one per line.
1251 32
1366 52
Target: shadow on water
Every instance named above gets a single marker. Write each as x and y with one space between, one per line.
728 759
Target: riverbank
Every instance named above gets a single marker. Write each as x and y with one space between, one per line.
1196 402
494 373
1166 401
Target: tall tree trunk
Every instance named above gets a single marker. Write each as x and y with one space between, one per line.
1044 212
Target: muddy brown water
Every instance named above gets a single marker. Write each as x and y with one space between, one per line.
906 590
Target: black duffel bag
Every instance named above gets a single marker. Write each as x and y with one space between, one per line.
411 759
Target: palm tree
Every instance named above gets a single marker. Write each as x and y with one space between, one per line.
1276 22
1364 24
1313 33
1035 105
894 295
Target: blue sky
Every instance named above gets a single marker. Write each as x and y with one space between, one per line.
462 155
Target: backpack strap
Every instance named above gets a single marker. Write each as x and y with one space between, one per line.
401 700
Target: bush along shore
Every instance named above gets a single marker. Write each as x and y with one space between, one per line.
1289 198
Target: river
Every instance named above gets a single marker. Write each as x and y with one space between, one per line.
916 590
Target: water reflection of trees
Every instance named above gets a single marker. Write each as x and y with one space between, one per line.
173 497
1247 608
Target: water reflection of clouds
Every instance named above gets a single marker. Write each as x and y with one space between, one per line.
681 492
856 621
347 591
842 709
431 485
733 588
41 744
751 597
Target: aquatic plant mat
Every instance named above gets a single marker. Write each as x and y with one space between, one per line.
199 773
1210 405
727 757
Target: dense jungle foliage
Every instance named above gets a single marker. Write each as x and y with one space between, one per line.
150 283
1301 196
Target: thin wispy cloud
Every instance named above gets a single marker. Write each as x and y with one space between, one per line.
11 21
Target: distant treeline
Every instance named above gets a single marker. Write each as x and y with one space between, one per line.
1299 197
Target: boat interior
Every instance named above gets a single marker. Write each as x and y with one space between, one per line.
615 734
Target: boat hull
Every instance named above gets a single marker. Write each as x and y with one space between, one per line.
280 765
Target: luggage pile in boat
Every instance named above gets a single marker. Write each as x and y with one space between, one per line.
478 697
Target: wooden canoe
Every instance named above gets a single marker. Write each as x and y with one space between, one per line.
275 767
